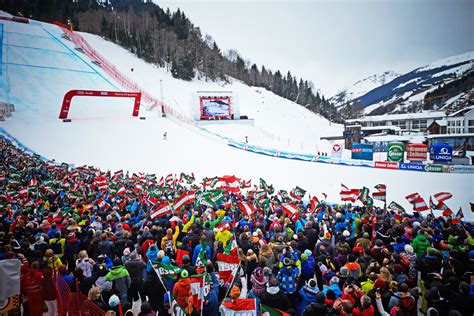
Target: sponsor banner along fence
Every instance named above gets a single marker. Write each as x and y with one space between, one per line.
353 162
411 166
418 152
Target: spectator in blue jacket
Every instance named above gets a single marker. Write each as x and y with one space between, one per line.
307 295
307 265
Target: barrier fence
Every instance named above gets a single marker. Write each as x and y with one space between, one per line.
68 302
120 78
429 167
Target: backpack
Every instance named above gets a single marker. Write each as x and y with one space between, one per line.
407 306
405 261
57 247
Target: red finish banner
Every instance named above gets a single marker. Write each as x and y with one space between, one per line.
386 165
417 152
94 93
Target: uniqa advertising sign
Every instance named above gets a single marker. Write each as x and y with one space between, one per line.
441 153
395 152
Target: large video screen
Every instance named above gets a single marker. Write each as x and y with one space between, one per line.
215 108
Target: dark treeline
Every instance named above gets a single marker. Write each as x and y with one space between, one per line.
445 91
169 40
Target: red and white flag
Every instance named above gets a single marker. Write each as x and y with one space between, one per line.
33 182
161 183
227 266
229 184
162 210
245 184
443 207
227 204
239 307
198 291
413 197
152 200
121 191
349 194
184 199
419 205
23 191
246 207
381 196
169 179
289 209
118 174
102 204
222 227
442 196
314 202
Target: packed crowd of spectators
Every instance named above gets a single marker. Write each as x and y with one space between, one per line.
335 260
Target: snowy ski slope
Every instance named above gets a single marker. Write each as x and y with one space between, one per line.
39 66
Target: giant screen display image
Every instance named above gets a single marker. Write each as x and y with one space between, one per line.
215 107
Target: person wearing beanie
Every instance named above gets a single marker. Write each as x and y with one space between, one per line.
333 286
259 281
307 295
182 291
275 297
408 258
308 265
120 279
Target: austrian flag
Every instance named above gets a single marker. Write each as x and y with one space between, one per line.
442 196
246 207
163 210
185 198
222 227
102 204
289 209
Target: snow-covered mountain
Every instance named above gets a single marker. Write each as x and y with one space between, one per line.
403 92
361 87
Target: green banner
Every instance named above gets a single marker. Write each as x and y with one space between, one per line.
434 168
395 152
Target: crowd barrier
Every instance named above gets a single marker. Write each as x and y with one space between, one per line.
120 78
429 167
67 302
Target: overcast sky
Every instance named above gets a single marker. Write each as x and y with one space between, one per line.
335 43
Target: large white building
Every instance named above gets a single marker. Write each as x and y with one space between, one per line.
406 122
461 122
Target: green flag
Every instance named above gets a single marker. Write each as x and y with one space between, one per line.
270 311
283 194
297 193
396 207
166 272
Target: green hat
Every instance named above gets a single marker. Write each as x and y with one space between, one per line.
184 274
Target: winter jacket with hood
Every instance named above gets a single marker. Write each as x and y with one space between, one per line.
287 278
420 244
135 268
120 278
307 267
335 288
181 291
275 298
307 295
259 282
